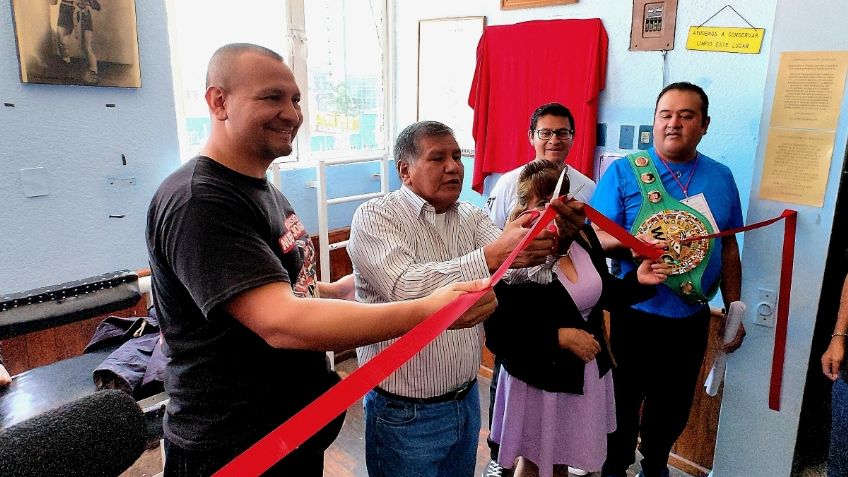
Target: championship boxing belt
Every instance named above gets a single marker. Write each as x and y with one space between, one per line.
666 218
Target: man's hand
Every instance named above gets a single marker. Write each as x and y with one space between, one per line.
534 254
651 242
652 272
5 379
480 310
832 358
579 342
737 340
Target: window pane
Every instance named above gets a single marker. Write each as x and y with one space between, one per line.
199 28
345 67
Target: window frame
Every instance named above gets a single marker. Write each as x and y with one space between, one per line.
297 39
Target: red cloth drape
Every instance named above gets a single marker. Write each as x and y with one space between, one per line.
520 67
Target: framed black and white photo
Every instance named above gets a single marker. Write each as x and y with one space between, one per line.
78 42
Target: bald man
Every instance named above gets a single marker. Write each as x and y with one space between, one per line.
233 280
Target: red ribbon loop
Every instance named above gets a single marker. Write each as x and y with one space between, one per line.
288 436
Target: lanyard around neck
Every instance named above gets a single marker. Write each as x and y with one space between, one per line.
684 188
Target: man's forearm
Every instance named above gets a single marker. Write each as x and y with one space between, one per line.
842 316
341 289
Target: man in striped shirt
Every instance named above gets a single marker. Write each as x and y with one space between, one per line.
425 418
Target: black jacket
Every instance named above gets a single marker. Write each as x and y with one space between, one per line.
523 330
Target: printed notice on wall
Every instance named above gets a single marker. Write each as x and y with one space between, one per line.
808 93
796 166
726 39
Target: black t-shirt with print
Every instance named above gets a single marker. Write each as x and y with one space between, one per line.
211 234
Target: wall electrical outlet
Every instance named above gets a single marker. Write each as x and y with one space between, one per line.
766 307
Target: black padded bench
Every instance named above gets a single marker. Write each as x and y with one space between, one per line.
45 388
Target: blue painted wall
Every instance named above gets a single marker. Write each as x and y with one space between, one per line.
69 131
347 180
343 180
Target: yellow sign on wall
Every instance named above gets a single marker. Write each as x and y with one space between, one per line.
726 39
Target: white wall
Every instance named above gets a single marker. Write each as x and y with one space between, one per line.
753 440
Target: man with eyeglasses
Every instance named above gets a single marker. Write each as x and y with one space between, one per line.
551 134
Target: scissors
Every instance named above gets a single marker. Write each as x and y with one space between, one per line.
536 213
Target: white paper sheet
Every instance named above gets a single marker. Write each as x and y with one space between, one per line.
732 322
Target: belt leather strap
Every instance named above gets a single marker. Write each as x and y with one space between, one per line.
455 395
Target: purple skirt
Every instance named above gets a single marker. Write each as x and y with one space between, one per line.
554 428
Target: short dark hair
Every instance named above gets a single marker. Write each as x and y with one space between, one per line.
551 109
686 86
406 144
220 63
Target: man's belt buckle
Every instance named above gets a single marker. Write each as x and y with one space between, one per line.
460 393
455 395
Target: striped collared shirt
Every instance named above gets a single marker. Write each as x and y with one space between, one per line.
398 254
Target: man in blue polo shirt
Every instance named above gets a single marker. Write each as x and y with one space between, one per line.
671 193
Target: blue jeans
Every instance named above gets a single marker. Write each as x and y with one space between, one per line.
412 440
837 459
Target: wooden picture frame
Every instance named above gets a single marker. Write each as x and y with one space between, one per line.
514 4
447 57
77 42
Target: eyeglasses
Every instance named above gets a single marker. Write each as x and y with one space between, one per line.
561 134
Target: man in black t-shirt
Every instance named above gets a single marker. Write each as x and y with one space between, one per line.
233 280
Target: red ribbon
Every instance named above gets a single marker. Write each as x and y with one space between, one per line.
784 294
288 436
294 432
779 353
620 234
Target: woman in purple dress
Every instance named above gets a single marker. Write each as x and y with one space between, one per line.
554 404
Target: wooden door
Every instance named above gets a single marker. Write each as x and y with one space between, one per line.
693 453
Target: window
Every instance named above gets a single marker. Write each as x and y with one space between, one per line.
345 68
335 47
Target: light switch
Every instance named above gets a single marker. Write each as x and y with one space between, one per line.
625 138
646 137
